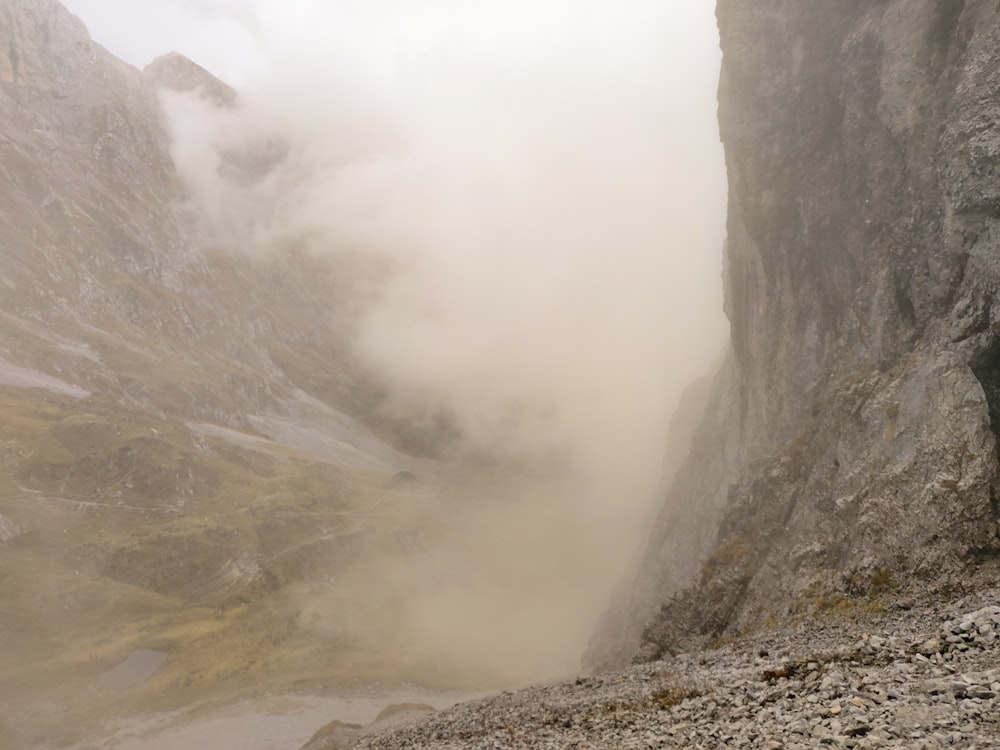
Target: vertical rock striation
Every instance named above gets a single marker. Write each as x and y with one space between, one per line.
850 445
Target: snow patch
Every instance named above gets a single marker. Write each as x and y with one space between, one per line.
314 427
23 377
8 529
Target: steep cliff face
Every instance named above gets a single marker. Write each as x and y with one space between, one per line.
99 249
850 447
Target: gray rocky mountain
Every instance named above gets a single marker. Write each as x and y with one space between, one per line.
184 437
175 72
850 448
187 450
97 250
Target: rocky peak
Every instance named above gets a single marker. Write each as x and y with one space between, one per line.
175 72
62 87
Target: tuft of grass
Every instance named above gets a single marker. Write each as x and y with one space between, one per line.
673 695
862 593
672 692
873 586
733 550
891 413
880 583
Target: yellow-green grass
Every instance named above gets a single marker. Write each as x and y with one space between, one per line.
129 521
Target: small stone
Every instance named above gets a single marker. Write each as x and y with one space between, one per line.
835 709
774 695
978 691
930 646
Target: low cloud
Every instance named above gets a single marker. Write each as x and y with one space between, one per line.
543 181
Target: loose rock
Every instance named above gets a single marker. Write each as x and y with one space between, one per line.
815 688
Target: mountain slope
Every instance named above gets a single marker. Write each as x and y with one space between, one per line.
185 461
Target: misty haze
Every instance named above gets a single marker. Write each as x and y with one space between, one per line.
400 374
349 376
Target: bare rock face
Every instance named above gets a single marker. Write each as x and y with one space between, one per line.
99 249
88 182
176 72
851 446
30 66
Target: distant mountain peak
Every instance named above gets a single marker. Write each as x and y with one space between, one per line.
175 72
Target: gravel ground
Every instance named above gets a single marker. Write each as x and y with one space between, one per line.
920 676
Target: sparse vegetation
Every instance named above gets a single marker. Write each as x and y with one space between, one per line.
672 693
891 414
207 553
861 593
732 551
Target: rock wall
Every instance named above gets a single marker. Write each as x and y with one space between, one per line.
849 451
102 245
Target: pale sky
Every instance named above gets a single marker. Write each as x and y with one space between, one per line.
228 36
221 35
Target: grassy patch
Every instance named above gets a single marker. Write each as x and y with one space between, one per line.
673 695
671 692
142 534
867 593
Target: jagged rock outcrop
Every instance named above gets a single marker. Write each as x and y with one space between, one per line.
176 72
851 446
99 249
56 67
